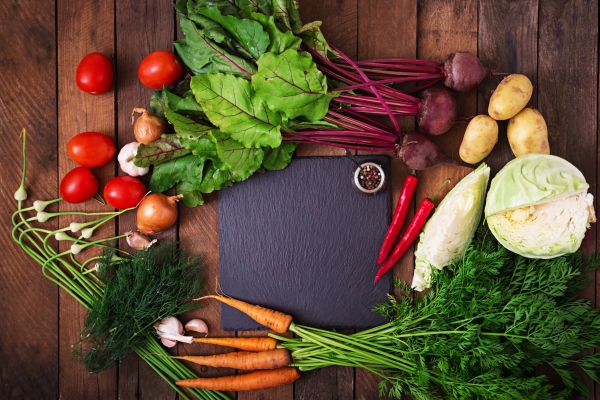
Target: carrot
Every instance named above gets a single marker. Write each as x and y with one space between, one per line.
247 344
253 381
247 360
275 320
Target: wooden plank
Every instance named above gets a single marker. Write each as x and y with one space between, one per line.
82 29
155 31
508 39
199 233
445 27
382 23
340 29
568 63
29 312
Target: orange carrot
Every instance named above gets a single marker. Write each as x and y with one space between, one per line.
244 343
246 360
275 320
253 381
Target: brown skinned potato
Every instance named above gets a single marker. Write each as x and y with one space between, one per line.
510 97
480 138
527 133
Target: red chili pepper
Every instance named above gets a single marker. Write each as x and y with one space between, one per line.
406 195
411 233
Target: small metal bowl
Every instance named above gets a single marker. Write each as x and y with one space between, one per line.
369 178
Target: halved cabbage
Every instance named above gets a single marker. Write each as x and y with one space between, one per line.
538 206
452 226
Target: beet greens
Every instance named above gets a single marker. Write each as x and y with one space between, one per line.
260 83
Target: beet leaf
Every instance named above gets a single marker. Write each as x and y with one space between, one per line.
203 56
249 35
291 84
231 104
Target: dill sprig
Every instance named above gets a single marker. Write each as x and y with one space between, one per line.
139 291
481 331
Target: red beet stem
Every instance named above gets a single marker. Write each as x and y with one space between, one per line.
383 148
373 123
386 81
373 88
401 61
355 124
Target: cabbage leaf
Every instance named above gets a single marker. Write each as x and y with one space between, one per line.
448 232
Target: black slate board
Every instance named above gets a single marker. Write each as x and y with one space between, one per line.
304 241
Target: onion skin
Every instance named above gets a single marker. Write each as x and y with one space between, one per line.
148 127
156 213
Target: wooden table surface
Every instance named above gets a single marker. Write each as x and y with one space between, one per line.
553 42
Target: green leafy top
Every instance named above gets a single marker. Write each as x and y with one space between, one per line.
490 319
250 81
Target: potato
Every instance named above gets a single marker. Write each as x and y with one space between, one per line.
527 133
480 138
510 97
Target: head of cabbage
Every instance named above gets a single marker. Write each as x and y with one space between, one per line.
538 206
448 232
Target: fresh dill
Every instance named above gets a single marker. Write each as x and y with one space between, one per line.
139 291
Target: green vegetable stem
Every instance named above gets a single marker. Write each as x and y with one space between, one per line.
95 287
490 319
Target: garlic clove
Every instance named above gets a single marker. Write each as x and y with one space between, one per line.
168 343
169 325
139 241
197 325
171 329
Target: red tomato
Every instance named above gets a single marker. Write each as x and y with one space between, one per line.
124 192
160 68
94 74
91 149
78 185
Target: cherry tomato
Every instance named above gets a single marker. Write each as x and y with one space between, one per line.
94 74
78 185
160 68
91 149
124 192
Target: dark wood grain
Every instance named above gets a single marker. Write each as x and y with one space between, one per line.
198 234
388 29
568 61
340 29
508 36
29 302
445 27
81 29
151 23
553 42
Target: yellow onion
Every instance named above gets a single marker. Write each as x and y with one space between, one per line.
156 213
148 127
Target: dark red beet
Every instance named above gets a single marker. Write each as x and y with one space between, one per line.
418 152
463 71
438 111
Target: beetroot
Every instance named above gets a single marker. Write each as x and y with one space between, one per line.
418 152
463 71
438 111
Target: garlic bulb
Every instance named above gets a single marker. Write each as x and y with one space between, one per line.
125 158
